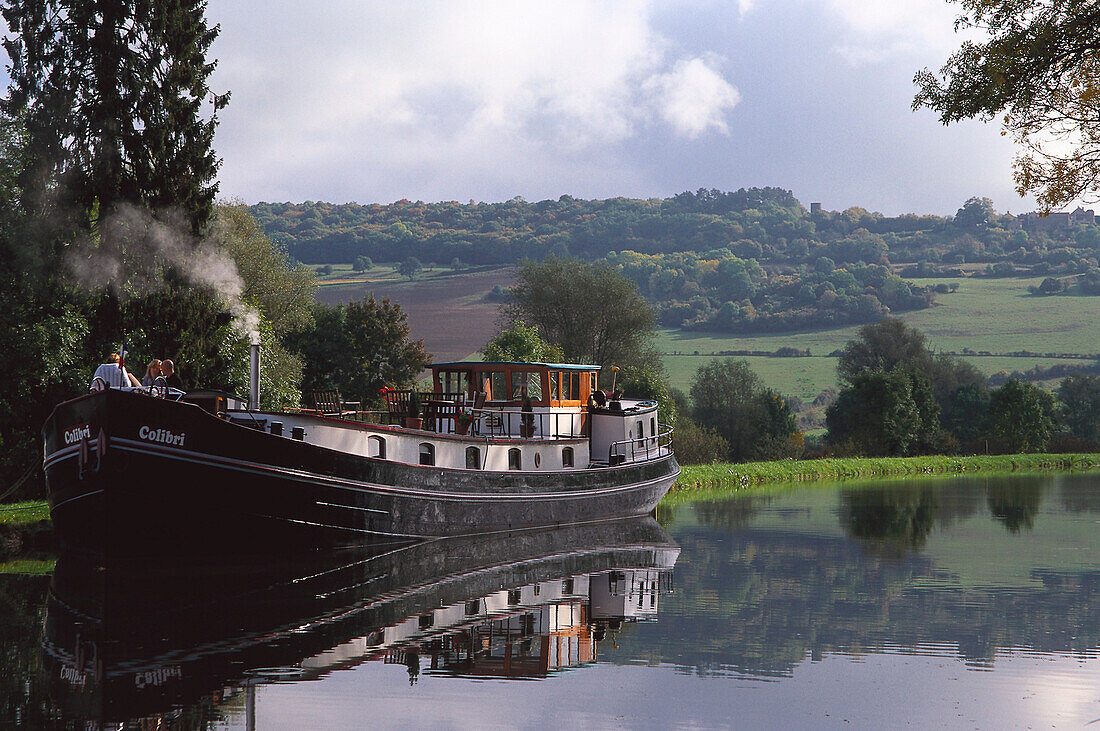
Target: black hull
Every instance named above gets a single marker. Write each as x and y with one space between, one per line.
222 483
130 639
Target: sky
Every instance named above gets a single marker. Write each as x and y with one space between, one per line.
352 100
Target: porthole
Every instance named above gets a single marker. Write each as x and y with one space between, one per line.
376 447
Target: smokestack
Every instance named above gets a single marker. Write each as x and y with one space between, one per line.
254 378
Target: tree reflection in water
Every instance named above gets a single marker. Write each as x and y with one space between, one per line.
758 597
1015 503
896 519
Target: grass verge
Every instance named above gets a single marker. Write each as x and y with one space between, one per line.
728 477
32 511
28 566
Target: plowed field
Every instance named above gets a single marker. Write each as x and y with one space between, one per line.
449 312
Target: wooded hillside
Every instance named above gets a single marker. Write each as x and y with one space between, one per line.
753 260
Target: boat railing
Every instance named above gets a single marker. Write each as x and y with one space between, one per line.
641 449
504 423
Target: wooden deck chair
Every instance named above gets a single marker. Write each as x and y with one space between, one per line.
397 404
477 411
328 403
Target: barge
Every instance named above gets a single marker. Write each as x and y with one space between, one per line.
495 446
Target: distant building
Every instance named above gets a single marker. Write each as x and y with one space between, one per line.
815 208
1055 221
1082 216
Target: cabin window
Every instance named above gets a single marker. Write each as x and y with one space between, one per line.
513 596
555 392
376 447
567 457
454 381
515 461
499 389
426 621
567 586
534 386
427 453
652 426
473 458
575 385
533 383
641 429
473 607
592 382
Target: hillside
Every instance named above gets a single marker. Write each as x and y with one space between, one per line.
753 261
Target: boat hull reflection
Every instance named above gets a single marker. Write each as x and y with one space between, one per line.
147 639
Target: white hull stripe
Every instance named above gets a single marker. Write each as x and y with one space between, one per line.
359 486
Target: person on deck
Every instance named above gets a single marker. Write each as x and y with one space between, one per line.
151 372
168 370
114 374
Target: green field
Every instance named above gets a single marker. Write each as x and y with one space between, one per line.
996 315
343 274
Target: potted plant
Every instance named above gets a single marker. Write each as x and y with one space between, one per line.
412 419
463 421
527 420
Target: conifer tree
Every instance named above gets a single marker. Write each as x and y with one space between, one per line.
111 95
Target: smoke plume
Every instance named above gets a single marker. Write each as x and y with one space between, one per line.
133 248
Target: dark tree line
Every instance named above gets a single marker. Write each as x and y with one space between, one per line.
898 398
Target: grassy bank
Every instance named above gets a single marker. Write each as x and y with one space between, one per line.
738 476
23 513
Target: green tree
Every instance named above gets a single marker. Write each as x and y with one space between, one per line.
363 264
1020 418
963 415
521 343
976 213
730 399
883 346
1036 69
885 413
1080 399
699 445
358 348
410 267
590 310
116 104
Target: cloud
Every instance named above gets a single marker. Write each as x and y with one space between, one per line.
875 32
693 97
395 85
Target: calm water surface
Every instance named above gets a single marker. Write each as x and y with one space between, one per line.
963 603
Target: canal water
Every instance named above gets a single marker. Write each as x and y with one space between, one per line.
964 602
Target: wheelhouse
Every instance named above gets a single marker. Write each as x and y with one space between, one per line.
506 384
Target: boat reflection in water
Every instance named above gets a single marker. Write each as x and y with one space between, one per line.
126 641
